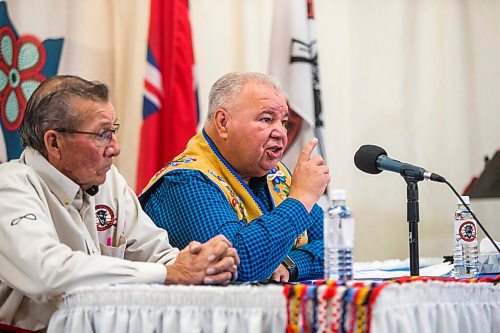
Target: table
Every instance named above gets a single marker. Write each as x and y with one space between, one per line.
402 305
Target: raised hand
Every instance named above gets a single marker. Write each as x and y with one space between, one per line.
310 177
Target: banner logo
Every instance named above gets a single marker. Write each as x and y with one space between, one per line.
25 62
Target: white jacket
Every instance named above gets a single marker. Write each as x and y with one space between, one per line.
55 237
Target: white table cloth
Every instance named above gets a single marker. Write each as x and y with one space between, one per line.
421 306
436 306
158 308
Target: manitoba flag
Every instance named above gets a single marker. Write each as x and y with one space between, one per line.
170 109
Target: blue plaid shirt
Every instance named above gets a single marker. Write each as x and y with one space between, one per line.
191 207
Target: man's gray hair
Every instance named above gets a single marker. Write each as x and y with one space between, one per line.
50 107
226 89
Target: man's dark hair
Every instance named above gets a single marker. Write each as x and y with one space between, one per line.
50 107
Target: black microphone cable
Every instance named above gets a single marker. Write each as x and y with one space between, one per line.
473 215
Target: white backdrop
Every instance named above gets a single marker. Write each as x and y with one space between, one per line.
418 78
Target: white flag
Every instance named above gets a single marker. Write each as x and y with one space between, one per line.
294 62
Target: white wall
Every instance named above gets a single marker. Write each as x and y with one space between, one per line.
419 78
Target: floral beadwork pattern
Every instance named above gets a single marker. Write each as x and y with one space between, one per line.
172 163
21 63
278 179
180 160
235 200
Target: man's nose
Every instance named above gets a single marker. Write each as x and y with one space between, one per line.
113 149
279 130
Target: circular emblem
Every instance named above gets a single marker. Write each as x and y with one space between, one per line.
467 231
104 217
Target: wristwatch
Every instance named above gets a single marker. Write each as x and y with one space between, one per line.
291 267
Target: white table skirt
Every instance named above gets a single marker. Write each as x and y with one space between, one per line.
436 306
158 308
414 307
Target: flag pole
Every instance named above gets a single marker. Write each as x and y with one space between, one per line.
318 128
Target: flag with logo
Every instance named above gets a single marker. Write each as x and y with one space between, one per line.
91 39
294 62
26 60
170 110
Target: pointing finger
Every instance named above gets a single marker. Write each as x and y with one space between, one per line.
305 154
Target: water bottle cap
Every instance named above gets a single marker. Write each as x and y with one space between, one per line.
465 198
338 194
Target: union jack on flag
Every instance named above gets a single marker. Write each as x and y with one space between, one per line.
170 110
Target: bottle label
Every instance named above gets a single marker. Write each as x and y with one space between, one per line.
465 231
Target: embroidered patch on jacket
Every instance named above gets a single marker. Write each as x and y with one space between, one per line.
279 181
104 217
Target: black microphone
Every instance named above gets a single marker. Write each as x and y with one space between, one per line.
92 190
373 159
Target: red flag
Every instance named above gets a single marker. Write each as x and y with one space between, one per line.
169 112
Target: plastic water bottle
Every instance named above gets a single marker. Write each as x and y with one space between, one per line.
338 238
465 253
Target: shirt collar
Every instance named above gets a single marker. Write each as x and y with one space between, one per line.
63 188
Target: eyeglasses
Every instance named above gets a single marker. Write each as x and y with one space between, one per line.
104 138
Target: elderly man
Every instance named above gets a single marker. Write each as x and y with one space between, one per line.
230 181
68 218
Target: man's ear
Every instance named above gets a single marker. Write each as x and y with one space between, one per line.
221 120
51 141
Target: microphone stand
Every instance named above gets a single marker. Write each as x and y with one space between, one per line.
412 175
412 214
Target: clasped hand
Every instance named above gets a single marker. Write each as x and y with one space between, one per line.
213 262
